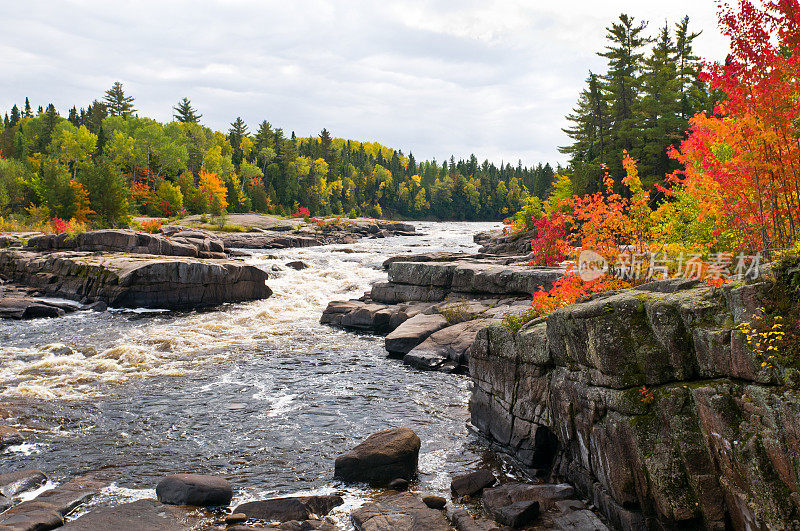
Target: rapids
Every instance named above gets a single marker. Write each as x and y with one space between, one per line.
259 392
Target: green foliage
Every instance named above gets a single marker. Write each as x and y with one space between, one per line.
166 201
108 193
513 322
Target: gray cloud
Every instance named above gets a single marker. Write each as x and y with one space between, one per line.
494 78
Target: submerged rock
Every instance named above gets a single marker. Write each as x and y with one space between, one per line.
297 265
381 458
141 515
194 489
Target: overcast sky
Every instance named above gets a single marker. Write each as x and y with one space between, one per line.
436 78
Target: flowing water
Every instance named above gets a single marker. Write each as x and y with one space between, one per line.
259 392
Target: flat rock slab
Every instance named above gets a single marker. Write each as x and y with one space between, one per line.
128 280
450 343
413 332
401 512
381 458
582 520
31 516
290 508
141 515
496 498
194 489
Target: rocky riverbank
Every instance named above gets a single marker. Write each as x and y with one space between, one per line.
130 269
651 404
433 305
387 460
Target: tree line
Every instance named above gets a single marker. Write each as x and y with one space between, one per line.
104 163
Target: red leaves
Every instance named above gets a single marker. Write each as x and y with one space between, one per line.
749 148
548 247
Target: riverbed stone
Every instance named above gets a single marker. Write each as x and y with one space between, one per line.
518 514
194 489
400 512
413 332
31 516
297 265
472 483
290 508
435 502
381 458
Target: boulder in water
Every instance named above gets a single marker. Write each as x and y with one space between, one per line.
474 482
194 489
381 458
9 437
297 265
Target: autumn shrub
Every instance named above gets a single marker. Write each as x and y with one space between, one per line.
548 247
302 212
59 226
152 226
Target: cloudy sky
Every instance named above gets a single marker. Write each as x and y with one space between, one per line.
435 77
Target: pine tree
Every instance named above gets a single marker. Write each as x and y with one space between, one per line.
40 111
185 113
117 103
73 117
15 117
6 122
28 112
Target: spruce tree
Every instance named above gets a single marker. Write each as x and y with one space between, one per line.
28 112
73 117
236 133
622 83
49 122
15 117
693 92
117 103
325 143
185 113
659 109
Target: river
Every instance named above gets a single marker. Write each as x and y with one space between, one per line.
259 392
